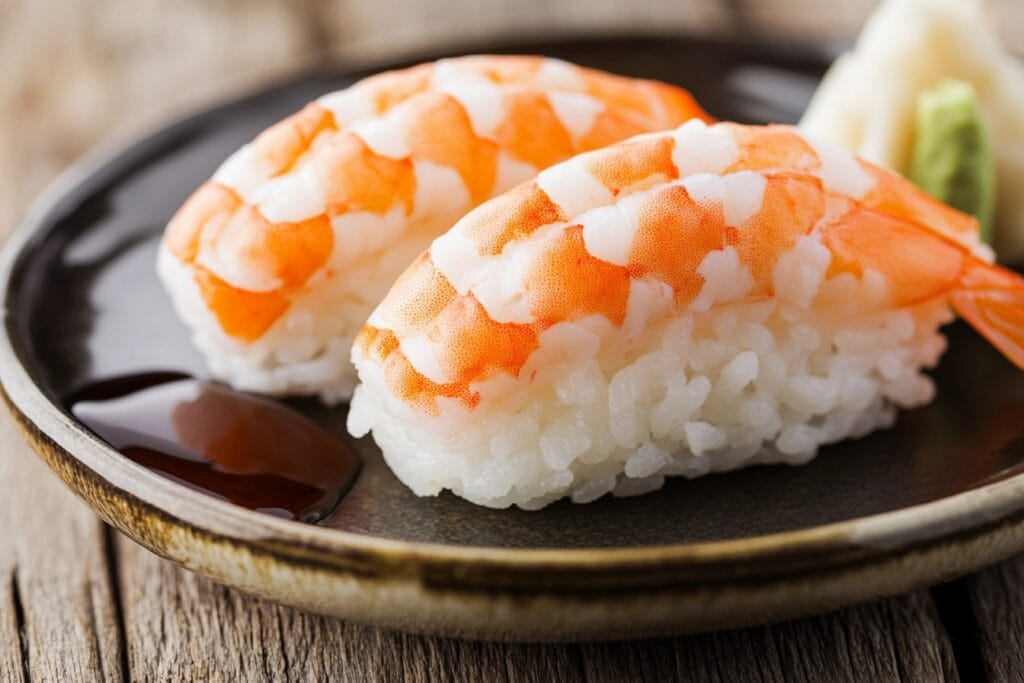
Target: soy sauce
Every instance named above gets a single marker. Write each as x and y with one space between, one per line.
251 451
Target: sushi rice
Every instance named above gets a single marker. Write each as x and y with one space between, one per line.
736 384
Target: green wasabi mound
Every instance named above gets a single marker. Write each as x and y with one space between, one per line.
952 160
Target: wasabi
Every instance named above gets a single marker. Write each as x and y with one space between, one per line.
951 158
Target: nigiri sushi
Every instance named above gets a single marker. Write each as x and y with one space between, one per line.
681 303
276 262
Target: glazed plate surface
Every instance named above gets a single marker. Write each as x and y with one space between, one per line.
939 494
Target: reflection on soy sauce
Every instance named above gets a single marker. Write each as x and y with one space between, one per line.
254 452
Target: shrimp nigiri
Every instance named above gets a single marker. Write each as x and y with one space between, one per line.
683 302
276 262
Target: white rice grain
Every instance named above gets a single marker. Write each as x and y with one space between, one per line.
727 384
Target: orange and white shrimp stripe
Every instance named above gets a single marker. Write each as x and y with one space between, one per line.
647 218
408 150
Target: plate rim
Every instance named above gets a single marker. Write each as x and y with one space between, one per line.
968 513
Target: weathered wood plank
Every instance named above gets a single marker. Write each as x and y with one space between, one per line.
440 659
12 665
897 639
996 615
172 617
357 28
76 74
179 625
55 589
650 660
362 30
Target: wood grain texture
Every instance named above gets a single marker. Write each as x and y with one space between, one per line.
56 598
360 30
12 664
77 606
996 615
179 624
898 639
76 73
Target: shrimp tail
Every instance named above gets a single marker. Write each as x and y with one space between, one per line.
991 300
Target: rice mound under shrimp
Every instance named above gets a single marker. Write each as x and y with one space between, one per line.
277 261
682 303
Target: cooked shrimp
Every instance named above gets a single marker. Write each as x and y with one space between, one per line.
680 303
600 234
278 259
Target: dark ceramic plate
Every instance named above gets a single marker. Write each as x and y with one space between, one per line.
939 494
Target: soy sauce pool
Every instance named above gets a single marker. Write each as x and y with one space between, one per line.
251 451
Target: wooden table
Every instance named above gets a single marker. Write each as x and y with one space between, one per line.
79 602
